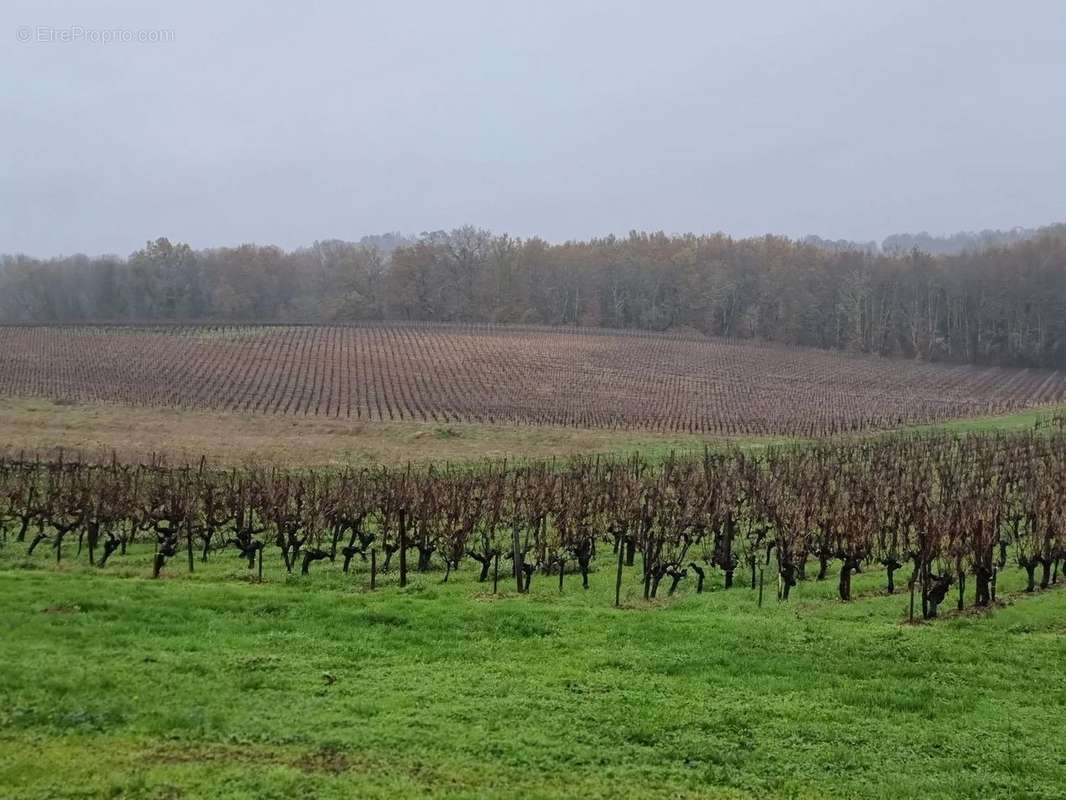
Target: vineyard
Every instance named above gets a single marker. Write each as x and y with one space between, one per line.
953 511
860 616
865 618
505 375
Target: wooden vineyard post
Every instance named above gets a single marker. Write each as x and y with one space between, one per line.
618 576
562 567
188 540
403 548
260 560
760 586
373 568
647 574
517 556
495 571
925 590
188 520
911 617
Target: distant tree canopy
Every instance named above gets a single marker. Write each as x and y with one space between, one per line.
1003 303
957 242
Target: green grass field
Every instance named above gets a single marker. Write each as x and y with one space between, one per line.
210 686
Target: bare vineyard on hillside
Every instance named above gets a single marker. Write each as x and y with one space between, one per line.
510 375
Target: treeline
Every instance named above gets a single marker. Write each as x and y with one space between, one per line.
1001 304
950 245
949 509
957 242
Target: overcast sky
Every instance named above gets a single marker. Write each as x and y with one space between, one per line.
288 122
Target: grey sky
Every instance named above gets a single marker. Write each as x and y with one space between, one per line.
289 122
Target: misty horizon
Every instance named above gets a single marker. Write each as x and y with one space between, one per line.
947 243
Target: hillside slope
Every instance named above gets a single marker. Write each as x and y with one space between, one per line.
495 374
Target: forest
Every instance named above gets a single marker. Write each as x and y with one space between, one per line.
1004 303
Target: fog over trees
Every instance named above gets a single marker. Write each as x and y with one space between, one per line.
991 297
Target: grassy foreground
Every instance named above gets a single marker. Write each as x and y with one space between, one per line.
210 686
